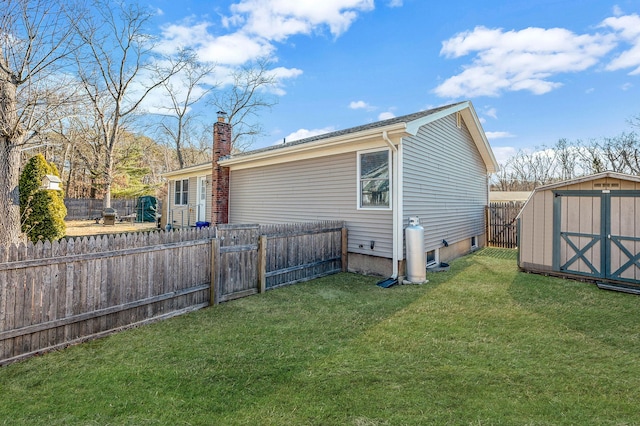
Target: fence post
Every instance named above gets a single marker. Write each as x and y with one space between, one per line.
262 264
345 248
215 272
487 225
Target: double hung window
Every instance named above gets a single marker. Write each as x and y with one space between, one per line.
374 179
181 193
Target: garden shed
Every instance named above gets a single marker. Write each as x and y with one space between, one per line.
587 228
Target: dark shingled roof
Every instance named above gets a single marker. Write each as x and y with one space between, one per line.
402 119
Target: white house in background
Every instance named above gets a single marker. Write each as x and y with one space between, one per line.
432 164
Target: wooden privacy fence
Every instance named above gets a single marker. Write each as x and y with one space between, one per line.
56 294
501 224
249 259
53 295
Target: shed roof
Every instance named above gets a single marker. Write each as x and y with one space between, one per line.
613 175
588 178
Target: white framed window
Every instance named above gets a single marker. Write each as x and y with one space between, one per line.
374 179
181 192
432 257
474 242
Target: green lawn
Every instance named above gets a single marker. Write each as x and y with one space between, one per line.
481 344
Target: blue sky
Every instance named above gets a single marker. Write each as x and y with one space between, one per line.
536 71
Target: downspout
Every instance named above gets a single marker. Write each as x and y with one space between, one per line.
395 205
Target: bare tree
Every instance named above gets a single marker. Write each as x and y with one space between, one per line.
34 41
118 69
244 99
185 90
622 153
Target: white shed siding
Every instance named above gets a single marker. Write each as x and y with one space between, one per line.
445 182
310 190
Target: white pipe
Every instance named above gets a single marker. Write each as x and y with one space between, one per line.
394 202
400 207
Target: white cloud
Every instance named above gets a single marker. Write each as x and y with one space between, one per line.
628 29
503 153
229 49
386 115
626 86
277 19
498 135
360 105
395 3
491 112
617 11
280 74
305 133
518 60
253 27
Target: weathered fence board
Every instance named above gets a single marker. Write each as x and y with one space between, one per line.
52 295
501 224
302 251
249 259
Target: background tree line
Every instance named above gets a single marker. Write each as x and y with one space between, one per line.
567 160
86 84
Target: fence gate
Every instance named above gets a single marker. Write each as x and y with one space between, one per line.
501 224
234 261
597 234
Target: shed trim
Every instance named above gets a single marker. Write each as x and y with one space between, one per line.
603 175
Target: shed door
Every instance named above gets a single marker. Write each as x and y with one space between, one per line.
623 237
596 234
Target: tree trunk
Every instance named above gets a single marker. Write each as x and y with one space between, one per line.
108 179
10 141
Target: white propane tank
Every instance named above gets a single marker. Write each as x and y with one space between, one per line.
416 260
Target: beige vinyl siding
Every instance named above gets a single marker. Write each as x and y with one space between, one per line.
310 190
445 182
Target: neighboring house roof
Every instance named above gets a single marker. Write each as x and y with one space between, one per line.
505 196
395 128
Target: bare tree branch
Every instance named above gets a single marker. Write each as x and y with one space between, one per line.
245 98
118 59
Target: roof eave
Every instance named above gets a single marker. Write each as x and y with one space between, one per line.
188 170
396 130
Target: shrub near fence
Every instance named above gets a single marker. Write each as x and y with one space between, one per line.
55 294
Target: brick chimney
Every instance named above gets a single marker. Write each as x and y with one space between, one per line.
220 178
